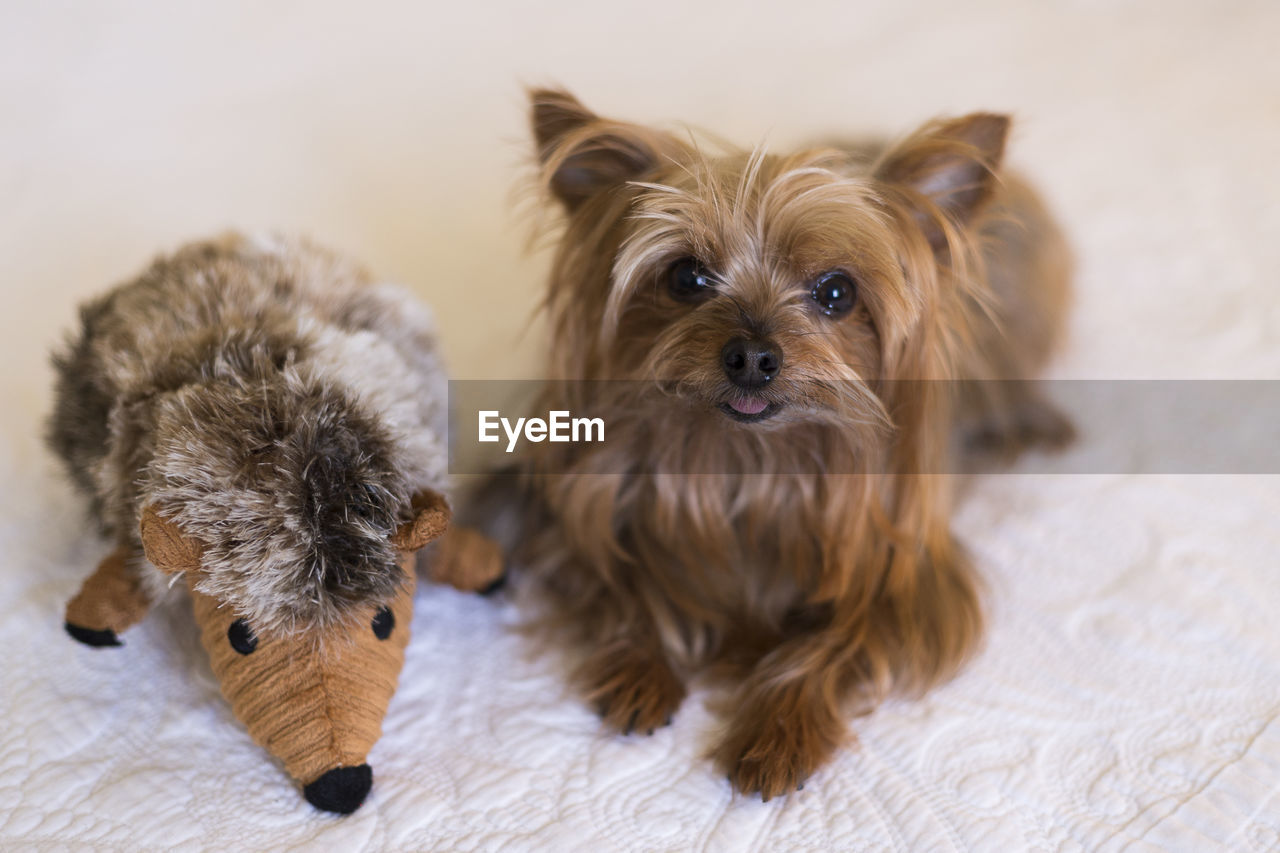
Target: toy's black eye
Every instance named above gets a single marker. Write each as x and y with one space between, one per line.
835 293
384 622
689 282
241 637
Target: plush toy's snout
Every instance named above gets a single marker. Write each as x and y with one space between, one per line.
315 700
316 703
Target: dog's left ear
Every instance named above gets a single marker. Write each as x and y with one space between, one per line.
583 154
952 163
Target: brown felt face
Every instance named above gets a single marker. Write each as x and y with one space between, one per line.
314 705
313 694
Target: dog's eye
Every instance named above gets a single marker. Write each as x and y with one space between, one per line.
835 293
689 282
241 637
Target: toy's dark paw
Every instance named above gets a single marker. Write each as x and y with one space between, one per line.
495 586
90 637
340 790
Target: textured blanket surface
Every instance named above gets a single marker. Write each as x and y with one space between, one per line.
1128 695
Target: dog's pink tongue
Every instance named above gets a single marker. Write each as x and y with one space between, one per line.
748 405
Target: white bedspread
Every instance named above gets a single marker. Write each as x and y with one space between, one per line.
1129 692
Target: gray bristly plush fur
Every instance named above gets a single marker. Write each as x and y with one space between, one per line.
276 404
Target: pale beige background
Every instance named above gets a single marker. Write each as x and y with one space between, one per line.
1129 691
396 131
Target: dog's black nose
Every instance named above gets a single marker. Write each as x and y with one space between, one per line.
341 789
750 363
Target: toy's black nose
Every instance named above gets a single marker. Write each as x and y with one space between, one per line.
750 363
340 790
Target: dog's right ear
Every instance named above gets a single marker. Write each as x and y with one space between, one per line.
583 154
950 165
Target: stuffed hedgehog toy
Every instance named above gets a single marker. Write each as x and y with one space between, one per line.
257 417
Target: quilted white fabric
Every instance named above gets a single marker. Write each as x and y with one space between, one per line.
1128 696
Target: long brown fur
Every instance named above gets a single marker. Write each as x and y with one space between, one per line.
691 539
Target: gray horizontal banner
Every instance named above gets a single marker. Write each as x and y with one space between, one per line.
1121 426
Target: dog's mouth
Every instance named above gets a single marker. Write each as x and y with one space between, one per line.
749 409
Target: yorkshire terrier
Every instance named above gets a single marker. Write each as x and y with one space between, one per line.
802 337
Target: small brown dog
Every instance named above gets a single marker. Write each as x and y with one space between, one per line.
799 333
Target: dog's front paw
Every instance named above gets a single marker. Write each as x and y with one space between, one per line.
771 752
633 690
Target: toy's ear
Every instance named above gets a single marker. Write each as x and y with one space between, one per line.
583 154
952 163
431 515
166 546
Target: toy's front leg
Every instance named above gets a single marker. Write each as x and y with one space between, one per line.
109 601
468 560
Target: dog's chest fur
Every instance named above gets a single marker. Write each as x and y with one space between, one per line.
738 549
